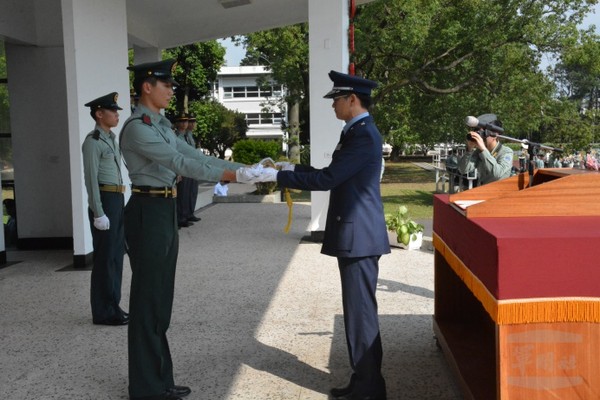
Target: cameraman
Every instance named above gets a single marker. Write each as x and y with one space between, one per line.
486 154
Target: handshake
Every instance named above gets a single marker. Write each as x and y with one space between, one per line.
259 173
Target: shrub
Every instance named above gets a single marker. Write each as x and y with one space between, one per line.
252 151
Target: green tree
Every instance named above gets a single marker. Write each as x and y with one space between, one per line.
440 61
217 127
197 67
284 51
577 76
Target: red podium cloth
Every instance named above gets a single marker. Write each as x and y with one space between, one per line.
524 258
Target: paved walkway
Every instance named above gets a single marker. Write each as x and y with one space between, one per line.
257 315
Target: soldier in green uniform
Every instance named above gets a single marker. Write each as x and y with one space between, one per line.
193 194
104 185
184 184
154 157
486 154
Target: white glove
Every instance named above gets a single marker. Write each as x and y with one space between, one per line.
285 166
267 175
248 174
262 162
102 223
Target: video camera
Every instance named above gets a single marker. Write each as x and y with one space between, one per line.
481 132
485 125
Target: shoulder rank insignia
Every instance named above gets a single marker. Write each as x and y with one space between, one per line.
146 119
96 134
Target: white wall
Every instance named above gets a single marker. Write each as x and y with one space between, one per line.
328 50
95 50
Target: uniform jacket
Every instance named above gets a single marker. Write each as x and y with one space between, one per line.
101 165
155 155
355 224
490 166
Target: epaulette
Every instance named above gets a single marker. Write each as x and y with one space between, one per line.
146 119
96 134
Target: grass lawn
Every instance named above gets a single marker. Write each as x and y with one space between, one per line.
406 184
403 183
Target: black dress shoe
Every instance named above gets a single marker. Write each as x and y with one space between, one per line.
123 313
185 224
354 396
162 396
343 391
118 320
180 391
193 218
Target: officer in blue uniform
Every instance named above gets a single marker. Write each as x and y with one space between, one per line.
154 157
104 185
355 230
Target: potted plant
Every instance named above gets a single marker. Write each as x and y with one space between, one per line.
403 231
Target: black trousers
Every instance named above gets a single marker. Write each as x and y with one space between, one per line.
152 244
109 250
359 283
193 197
184 189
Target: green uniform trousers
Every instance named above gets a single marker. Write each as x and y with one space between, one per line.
152 243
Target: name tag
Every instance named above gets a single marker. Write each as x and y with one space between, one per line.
338 147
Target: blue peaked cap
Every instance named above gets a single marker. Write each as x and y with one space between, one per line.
345 84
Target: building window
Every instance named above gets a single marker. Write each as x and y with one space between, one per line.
230 92
239 91
263 119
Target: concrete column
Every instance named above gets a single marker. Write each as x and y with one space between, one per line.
146 54
328 50
38 112
95 53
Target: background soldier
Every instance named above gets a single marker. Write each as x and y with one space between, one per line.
184 184
193 193
104 184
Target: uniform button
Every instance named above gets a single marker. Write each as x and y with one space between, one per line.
338 218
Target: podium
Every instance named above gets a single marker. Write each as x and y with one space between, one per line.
517 286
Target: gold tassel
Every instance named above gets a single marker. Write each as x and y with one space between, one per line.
290 204
521 311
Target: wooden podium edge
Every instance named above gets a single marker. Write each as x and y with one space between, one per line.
556 192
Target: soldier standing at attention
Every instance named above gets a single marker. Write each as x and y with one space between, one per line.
154 158
104 185
183 183
193 193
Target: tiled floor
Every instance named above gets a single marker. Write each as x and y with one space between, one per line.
257 315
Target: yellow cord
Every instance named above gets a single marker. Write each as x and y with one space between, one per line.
290 203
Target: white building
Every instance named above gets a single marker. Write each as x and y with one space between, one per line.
239 89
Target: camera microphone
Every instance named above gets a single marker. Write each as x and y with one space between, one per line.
474 123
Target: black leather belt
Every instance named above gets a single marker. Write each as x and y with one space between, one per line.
150 191
112 188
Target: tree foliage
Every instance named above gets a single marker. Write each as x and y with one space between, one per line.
577 75
198 64
217 127
197 67
438 61
284 51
